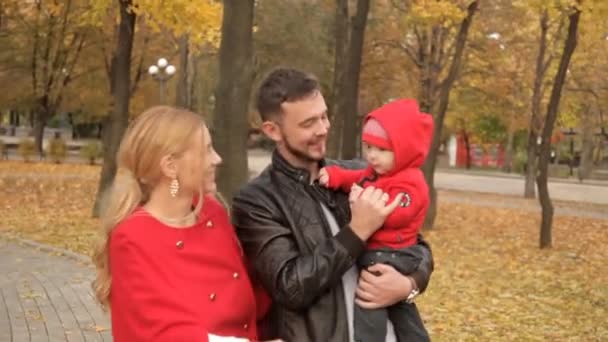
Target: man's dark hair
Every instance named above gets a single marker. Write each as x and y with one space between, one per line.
283 85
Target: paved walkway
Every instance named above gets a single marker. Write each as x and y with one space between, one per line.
559 190
47 298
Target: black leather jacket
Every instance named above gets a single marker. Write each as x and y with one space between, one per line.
287 239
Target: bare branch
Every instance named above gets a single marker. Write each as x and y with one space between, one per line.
35 54
140 68
67 78
403 6
400 46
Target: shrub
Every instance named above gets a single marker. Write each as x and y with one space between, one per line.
3 150
57 150
519 161
26 149
91 151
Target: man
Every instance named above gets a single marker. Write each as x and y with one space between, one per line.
302 239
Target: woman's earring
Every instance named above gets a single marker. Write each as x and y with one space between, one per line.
174 187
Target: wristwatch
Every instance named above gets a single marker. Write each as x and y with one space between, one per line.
412 296
414 293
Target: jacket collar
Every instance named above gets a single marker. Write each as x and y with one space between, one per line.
298 174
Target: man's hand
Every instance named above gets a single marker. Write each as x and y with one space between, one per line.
369 210
381 286
323 177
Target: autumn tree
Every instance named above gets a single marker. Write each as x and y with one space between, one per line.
190 36
308 45
498 73
551 116
543 62
232 93
46 39
434 38
175 16
349 42
588 88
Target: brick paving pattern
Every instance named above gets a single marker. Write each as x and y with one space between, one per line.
45 297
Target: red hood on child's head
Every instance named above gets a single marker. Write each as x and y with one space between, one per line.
410 131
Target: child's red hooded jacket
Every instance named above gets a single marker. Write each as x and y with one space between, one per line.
410 133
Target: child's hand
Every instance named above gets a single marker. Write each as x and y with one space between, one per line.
323 177
355 192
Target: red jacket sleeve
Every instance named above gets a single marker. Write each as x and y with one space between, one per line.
343 179
143 304
413 202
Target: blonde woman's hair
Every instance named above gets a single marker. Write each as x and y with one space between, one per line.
157 132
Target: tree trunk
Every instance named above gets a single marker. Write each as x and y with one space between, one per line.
38 132
231 122
340 69
586 164
535 119
41 116
545 148
508 162
182 98
191 81
349 104
467 147
444 96
120 87
426 94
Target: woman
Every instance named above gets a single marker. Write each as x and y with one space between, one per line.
169 272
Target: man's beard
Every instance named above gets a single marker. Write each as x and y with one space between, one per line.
304 157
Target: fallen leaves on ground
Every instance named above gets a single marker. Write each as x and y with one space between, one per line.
491 281
46 207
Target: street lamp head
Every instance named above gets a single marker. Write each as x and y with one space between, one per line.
170 70
162 63
153 70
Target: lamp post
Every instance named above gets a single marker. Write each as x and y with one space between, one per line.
161 71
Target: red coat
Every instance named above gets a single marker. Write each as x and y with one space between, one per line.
173 284
410 133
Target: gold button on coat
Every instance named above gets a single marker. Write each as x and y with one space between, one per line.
179 244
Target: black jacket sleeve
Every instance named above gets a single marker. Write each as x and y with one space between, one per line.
423 274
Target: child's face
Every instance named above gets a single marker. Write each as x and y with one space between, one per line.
381 160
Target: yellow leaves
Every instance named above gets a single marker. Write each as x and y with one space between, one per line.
99 11
49 203
431 12
491 282
101 329
200 19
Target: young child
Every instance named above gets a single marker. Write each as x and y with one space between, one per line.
396 140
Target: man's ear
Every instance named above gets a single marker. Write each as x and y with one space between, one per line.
168 167
272 130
